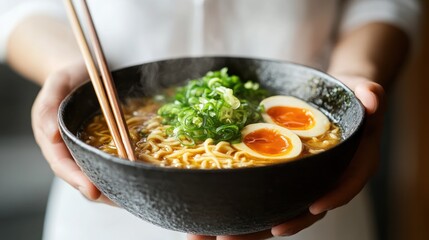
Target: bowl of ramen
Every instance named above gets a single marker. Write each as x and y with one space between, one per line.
224 145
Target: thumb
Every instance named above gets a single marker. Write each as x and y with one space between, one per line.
371 95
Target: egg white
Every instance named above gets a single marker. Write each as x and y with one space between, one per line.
295 141
322 123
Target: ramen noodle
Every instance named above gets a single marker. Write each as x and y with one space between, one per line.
155 146
217 122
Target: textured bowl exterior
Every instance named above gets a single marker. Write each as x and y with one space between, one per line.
217 202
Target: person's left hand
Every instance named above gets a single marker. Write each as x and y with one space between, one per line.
359 171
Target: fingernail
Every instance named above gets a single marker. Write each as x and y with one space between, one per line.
316 211
281 232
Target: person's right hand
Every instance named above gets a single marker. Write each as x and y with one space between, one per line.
45 127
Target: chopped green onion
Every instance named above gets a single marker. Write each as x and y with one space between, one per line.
215 106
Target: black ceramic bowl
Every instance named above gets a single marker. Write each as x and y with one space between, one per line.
217 202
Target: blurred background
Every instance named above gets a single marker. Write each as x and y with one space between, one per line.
400 189
25 176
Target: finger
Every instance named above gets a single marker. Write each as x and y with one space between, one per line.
251 236
44 122
60 160
340 196
200 237
106 200
352 182
363 165
371 95
64 166
294 226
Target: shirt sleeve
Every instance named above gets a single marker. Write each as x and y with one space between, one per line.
13 11
404 14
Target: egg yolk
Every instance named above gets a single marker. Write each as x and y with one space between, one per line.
291 117
268 142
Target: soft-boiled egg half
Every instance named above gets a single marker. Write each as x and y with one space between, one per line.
269 141
296 115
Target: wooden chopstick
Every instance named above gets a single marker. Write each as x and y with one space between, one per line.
108 83
106 94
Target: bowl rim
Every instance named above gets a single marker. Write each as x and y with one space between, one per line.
148 166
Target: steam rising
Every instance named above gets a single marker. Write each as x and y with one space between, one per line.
156 76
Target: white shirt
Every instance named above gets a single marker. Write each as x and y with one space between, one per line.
137 31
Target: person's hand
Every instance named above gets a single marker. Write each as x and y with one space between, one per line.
45 127
359 171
